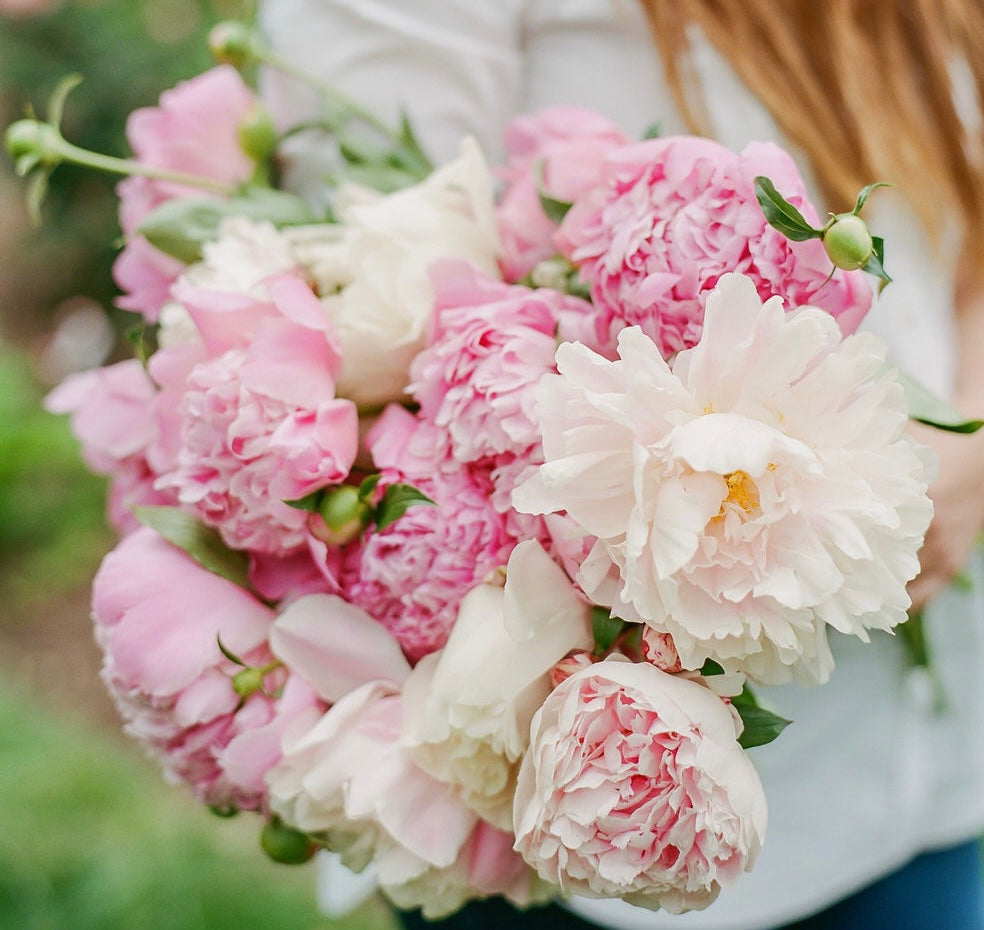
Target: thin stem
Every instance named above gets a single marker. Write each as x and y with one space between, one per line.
128 166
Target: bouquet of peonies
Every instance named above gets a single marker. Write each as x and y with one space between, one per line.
455 526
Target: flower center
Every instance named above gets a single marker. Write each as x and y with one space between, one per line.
742 491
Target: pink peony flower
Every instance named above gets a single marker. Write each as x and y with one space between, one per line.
670 216
489 345
412 575
194 130
560 149
761 490
260 423
635 786
158 618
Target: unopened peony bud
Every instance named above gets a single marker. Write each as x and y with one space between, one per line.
341 517
285 844
552 273
570 665
848 242
659 650
248 681
29 140
257 135
232 43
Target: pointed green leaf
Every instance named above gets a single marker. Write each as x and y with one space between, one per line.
781 214
180 227
865 193
26 163
876 264
653 131
368 486
606 629
926 407
204 545
229 654
397 500
710 667
555 209
761 725
56 103
409 139
310 502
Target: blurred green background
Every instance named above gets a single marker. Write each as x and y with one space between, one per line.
92 836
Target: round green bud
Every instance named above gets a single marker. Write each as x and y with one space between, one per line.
258 135
30 139
285 844
232 43
247 682
848 242
343 516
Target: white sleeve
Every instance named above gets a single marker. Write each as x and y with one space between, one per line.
454 65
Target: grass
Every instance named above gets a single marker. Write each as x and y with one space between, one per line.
93 839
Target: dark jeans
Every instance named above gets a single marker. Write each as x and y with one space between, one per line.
936 891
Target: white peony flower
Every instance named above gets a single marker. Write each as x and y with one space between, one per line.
757 492
374 278
468 707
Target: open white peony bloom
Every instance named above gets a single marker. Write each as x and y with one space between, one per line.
757 491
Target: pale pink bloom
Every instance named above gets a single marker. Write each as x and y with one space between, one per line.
761 490
634 786
559 150
193 130
260 423
670 216
159 617
468 708
489 344
412 575
112 416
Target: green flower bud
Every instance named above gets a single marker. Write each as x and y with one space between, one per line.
31 143
248 681
257 135
232 43
285 844
848 242
342 516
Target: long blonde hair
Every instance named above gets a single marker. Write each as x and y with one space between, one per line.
866 89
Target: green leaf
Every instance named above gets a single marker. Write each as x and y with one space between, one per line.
606 629
180 227
876 264
710 667
412 144
229 654
865 193
761 725
397 500
37 190
204 545
926 407
309 502
555 209
368 486
56 103
653 131
781 214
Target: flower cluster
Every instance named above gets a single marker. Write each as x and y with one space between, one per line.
454 526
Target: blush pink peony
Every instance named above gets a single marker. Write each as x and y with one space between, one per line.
158 618
757 493
634 786
194 130
670 216
559 150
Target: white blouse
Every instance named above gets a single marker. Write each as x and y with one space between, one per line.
870 773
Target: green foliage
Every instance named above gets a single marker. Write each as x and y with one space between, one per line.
52 523
93 839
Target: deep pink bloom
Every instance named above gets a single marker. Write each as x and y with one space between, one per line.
193 130
558 150
670 216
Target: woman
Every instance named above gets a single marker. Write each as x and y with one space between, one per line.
871 775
